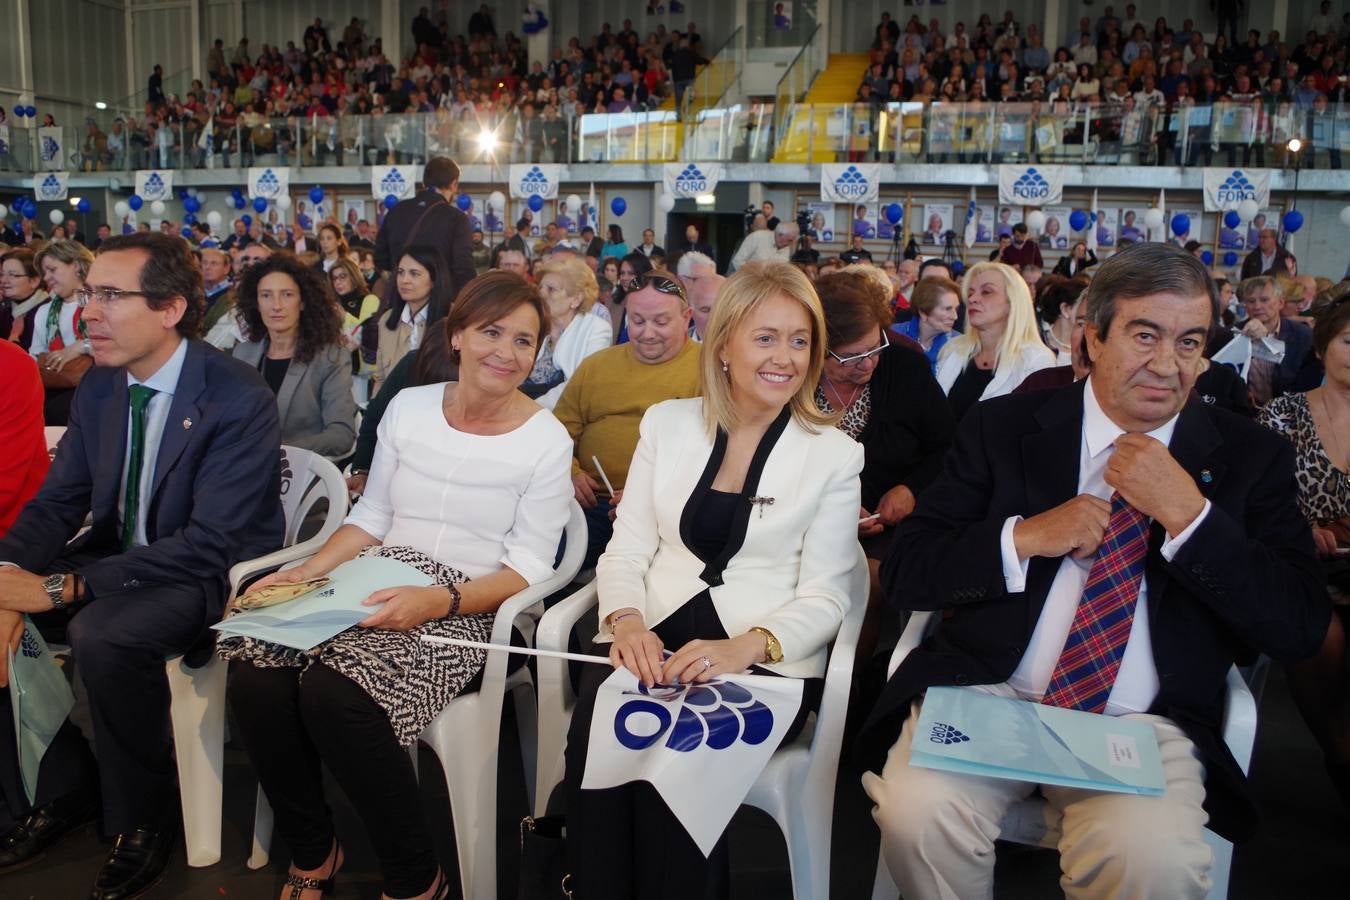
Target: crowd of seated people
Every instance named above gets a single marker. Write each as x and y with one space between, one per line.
920 420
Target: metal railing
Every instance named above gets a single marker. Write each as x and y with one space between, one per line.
800 74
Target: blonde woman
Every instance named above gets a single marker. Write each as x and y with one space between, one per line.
60 338
1002 344
569 290
732 549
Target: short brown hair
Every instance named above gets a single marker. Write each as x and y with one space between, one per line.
440 173
852 308
169 270
928 291
24 257
489 297
1330 321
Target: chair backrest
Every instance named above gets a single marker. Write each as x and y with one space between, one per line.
306 479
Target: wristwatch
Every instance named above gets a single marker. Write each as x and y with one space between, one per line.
773 651
55 586
88 347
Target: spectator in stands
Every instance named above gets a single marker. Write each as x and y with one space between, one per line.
420 296
702 298
614 244
856 252
1001 347
148 576
332 247
607 395
469 486
692 244
512 260
25 461
766 246
60 336
217 287
696 456
1145 449
1267 258
936 303
431 218
648 245
293 328
521 240
935 267
1022 251
359 304
568 288
21 296
1076 261
1271 372
1057 301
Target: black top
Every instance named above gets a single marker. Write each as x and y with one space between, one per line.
909 427
712 523
1221 386
274 372
967 388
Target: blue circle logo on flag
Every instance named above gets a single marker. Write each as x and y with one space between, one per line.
716 713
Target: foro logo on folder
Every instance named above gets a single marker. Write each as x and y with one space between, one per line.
946 734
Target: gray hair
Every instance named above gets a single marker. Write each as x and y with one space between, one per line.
1143 269
685 267
787 229
1249 286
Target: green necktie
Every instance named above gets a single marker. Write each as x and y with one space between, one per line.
131 502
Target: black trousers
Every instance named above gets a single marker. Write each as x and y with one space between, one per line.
624 841
291 723
119 643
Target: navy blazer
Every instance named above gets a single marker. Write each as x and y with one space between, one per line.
1246 580
215 498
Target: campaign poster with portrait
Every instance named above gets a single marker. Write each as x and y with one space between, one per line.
1108 218
821 228
1008 216
782 15
537 220
1192 233
1055 234
863 220
1232 238
1266 218
1132 229
984 223
937 221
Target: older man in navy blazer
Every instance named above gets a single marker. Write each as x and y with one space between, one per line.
173 448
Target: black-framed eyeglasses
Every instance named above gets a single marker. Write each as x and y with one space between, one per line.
857 359
665 285
105 296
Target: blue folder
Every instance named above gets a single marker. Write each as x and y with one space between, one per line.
976 733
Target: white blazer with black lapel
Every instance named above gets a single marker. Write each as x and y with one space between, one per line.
790 552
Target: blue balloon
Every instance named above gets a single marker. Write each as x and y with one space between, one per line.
260 204
239 201
84 205
618 206
246 219
464 202
1078 220
18 112
189 219
1207 257
535 203
31 112
135 202
1181 224
236 192
1230 258
1293 221
389 201
186 233
29 210
191 204
957 267
1232 219
894 213
316 194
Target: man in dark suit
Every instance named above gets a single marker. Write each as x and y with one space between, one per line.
1296 368
693 245
172 449
430 218
1113 546
1267 257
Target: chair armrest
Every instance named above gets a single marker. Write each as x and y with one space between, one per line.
918 627
555 683
275 560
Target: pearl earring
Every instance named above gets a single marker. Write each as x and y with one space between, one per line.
724 365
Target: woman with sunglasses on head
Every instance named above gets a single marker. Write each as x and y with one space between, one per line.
733 548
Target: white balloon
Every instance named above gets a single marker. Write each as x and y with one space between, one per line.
1035 220
114 184
1248 209
157 208
573 203
4 210
498 201
56 216
122 209
284 202
1154 218
192 192
666 203
1345 216
214 218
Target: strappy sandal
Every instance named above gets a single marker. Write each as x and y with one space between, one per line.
324 886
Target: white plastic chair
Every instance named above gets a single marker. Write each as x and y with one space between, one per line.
466 734
197 706
796 787
1031 822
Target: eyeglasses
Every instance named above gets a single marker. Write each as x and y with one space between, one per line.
857 359
105 296
666 285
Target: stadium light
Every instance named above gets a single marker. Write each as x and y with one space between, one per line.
487 141
1295 145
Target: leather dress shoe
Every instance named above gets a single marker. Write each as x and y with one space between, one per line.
135 863
41 829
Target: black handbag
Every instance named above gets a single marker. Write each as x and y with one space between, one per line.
543 859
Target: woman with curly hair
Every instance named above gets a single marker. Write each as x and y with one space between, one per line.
293 326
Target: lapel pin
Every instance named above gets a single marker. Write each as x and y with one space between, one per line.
1206 476
187 423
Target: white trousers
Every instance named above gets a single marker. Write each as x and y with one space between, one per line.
938 828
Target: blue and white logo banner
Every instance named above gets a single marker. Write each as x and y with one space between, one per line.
154 184
534 180
51 186
850 182
51 149
691 179
700 745
401 181
269 182
1226 188
1030 185
4 140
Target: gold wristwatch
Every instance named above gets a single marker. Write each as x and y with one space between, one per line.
773 651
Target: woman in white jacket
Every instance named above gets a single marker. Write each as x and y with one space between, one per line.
569 289
733 548
1001 347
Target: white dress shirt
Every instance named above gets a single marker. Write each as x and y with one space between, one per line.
1137 680
418 324
164 382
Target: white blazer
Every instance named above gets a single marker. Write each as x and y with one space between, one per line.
584 335
1009 374
791 570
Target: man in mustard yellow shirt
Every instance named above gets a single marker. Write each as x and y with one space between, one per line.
610 391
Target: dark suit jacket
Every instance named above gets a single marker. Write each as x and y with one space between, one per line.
1251 266
215 495
910 426
1247 579
1300 369
428 219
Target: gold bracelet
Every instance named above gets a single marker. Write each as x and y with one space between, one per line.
773 651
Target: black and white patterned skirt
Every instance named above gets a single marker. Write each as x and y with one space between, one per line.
411 680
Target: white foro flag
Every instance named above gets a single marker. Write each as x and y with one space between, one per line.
51 148
1030 185
1093 224
154 184
51 186
535 180
1226 188
400 181
269 182
850 182
691 179
701 746
972 220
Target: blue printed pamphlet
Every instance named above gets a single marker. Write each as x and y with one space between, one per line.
976 733
310 620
